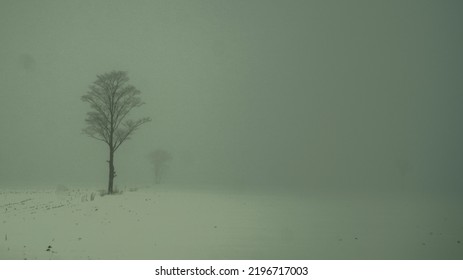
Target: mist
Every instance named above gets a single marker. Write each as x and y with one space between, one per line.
343 97
292 129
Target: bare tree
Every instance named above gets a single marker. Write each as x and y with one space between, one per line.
159 158
111 100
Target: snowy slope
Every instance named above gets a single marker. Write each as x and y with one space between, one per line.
144 223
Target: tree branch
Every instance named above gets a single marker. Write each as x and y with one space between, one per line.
111 100
130 127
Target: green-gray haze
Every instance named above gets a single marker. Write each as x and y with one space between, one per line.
338 95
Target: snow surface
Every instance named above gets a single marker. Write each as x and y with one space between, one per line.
150 223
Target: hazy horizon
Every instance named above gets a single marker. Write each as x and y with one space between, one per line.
344 96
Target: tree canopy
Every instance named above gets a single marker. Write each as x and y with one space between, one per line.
112 99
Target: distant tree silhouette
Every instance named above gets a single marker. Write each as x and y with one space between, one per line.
111 100
159 158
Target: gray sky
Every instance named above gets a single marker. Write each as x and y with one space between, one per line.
339 95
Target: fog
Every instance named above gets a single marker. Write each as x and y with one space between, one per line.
339 96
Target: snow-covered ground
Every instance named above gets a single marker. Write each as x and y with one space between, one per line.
149 223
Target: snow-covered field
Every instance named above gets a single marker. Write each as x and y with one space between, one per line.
146 223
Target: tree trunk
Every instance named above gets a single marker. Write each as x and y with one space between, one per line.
156 175
111 170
